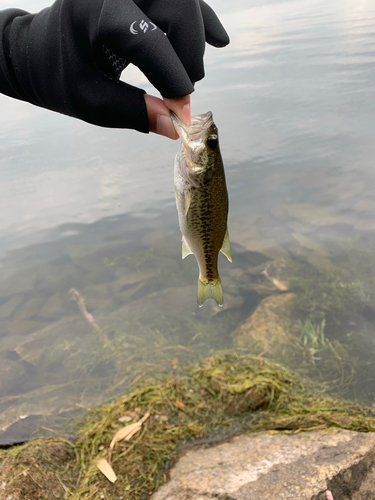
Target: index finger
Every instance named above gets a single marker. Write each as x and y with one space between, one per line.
133 36
181 107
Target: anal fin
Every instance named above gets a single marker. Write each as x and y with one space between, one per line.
225 247
185 248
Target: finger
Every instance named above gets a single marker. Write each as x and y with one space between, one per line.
158 117
128 32
214 30
182 22
181 107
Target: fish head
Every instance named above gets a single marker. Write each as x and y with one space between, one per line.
199 143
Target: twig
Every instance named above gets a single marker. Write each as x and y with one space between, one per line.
82 307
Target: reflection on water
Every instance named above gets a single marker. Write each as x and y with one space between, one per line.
93 210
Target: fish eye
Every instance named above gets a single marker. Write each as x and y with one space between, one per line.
212 141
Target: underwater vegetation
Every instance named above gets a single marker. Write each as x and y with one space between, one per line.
316 322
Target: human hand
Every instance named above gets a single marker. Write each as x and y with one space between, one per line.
76 51
158 112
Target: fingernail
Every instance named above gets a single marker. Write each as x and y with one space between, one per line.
164 126
186 114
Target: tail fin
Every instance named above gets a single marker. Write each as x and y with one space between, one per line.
210 290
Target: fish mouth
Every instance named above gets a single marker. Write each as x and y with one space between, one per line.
197 129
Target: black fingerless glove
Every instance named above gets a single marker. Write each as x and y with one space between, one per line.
68 57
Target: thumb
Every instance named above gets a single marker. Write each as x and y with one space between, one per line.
159 114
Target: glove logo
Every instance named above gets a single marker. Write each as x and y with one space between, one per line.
132 30
143 25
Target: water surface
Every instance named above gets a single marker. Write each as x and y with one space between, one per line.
93 209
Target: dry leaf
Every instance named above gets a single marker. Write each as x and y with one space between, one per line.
106 469
123 433
144 418
134 431
127 432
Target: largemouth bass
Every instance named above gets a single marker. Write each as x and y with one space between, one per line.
202 201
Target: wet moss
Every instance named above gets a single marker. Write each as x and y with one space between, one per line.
41 469
224 394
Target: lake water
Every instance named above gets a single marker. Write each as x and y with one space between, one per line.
93 209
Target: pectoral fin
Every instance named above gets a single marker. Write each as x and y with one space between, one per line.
225 248
185 248
187 201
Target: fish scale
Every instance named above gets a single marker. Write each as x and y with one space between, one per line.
202 201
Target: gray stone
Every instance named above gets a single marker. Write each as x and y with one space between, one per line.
281 466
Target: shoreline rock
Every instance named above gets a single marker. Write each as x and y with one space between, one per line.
268 466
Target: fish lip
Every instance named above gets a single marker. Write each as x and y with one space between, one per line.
176 121
196 130
180 127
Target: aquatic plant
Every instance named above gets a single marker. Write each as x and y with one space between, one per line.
312 340
332 363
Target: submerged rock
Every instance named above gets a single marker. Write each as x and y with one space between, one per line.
281 271
285 466
270 326
316 215
11 374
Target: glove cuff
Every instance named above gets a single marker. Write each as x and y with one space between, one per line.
9 84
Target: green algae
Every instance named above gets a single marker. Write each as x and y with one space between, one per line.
222 395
